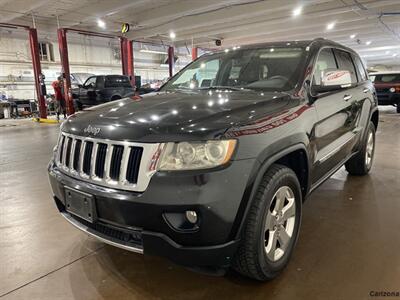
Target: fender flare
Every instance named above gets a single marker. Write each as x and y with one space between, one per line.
251 189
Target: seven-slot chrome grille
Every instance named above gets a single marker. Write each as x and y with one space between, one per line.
116 164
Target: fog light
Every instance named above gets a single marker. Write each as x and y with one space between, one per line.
191 216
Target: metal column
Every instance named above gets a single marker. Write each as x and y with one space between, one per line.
123 41
194 53
63 47
127 59
171 60
37 71
129 62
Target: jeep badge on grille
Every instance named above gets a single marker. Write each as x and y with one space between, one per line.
92 130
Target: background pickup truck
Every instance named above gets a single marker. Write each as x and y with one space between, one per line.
100 89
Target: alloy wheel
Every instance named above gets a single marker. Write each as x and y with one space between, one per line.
369 149
279 223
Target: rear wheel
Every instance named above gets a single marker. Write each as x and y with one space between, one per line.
272 227
113 98
361 163
78 105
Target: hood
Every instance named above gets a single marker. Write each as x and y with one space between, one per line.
175 116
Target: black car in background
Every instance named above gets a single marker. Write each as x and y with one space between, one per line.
100 89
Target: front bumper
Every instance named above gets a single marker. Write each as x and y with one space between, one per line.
388 98
140 222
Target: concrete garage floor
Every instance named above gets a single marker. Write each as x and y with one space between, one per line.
348 246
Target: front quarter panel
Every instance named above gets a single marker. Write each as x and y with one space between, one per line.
265 137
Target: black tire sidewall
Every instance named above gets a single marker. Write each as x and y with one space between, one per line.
371 128
288 179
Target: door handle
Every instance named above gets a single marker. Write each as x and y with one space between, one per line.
347 97
366 90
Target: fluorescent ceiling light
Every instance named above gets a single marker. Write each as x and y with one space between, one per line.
152 51
330 26
353 36
368 43
101 23
394 54
172 35
297 11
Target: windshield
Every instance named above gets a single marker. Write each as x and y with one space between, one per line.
80 78
386 78
272 69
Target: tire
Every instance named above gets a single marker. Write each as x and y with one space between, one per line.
255 257
361 163
113 98
78 106
398 108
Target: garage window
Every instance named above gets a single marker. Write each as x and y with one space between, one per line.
117 81
46 52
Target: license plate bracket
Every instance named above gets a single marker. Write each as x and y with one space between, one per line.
80 204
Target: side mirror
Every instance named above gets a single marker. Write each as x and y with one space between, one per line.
333 80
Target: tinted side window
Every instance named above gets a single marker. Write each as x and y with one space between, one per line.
345 63
100 82
387 78
117 81
91 81
362 74
326 61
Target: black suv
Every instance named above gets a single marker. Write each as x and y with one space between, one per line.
100 89
212 170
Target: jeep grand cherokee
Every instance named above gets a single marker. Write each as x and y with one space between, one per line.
212 170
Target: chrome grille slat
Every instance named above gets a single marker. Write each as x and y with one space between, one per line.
82 154
93 161
77 150
64 153
61 149
107 165
71 155
124 164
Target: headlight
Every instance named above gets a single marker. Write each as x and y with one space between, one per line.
195 155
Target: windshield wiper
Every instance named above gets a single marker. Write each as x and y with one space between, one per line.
221 87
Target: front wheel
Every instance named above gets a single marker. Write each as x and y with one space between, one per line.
361 163
78 105
272 227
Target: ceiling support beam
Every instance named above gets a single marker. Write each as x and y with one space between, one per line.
127 59
194 53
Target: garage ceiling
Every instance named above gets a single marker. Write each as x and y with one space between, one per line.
372 27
